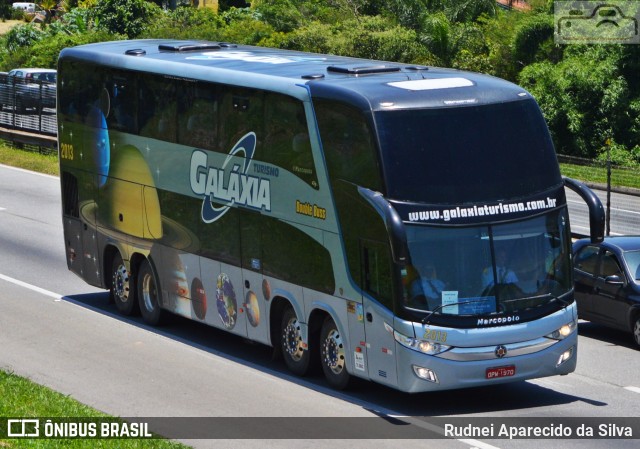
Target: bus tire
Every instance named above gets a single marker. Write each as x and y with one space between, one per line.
332 355
122 291
295 355
636 330
149 295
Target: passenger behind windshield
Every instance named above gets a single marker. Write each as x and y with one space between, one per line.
426 289
503 273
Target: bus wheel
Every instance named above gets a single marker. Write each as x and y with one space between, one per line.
332 355
296 357
149 294
121 287
636 331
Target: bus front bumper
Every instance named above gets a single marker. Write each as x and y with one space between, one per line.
419 372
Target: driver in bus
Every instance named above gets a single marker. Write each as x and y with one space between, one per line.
428 287
504 274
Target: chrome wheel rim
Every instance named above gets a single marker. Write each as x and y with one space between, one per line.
149 292
636 331
333 352
292 340
121 283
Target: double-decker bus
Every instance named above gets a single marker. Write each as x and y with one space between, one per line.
344 211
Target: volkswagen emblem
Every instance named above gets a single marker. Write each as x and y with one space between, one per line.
500 351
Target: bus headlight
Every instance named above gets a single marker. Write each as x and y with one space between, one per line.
564 331
424 346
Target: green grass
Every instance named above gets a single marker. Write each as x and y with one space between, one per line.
22 398
29 160
620 177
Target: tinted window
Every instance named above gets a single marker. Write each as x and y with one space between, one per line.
348 144
610 266
83 95
198 107
123 104
157 108
633 262
587 259
466 154
286 140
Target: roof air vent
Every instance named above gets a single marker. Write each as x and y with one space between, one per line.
135 52
363 70
196 46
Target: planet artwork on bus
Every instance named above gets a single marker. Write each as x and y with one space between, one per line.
198 298
253 309
226 301
122 205
266 290
98 140
177 285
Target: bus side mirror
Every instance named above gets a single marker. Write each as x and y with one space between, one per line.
393 223
596 211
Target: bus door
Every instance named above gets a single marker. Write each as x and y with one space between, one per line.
80 228
378 317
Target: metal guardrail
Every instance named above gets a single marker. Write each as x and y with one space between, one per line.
27 111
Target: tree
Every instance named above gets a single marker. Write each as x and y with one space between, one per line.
585 98
126 17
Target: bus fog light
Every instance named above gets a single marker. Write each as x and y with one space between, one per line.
425 373
566 355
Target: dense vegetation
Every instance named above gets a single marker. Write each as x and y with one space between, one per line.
589 94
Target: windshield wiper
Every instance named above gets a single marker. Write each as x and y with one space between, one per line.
548 296
425 320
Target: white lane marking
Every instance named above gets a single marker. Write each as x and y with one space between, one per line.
433 428
29 171
3 208
613 208
634 389
42 291
478 444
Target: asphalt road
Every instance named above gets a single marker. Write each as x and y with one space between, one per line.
62 333
624 212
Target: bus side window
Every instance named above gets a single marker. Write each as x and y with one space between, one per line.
198 115
157 108
286 142
378 278
242 113
80 90
348 145
123 100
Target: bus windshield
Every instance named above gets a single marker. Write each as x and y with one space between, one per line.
448 155
488 269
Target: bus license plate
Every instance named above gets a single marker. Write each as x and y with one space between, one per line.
501 371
